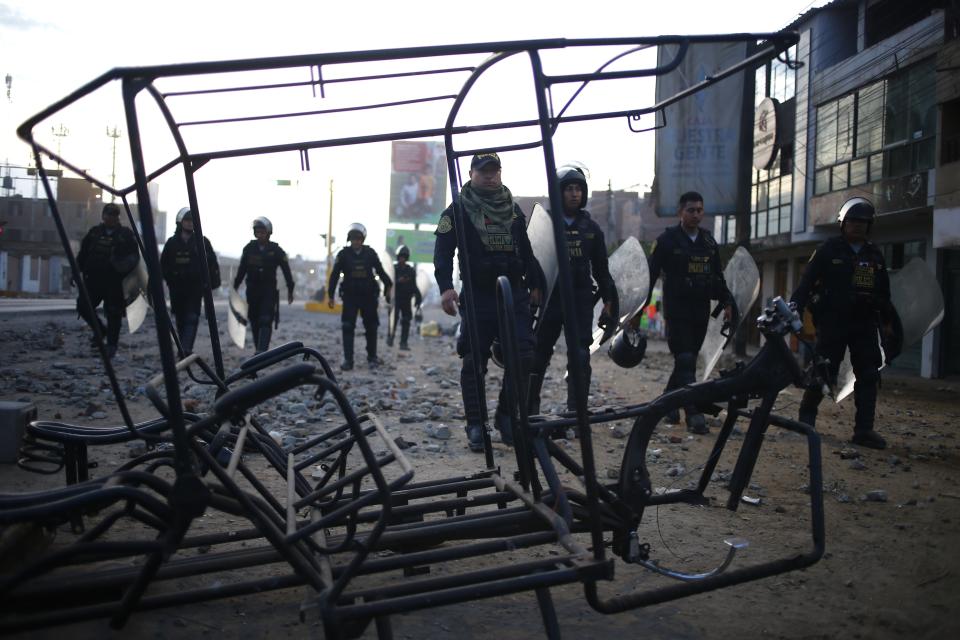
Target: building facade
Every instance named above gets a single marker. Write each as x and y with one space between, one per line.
865 105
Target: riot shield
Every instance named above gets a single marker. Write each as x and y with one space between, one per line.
237 318
631 274
135 295
540 232
387 261
917 300
743 281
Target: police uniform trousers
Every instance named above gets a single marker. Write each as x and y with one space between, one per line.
684 339
366 306
402 314
548 332
185 303
106 289
488 328
833 339
261 311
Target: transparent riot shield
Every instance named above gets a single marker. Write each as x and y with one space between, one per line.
743 280
135 295
540 232
918 300
631 274
237 318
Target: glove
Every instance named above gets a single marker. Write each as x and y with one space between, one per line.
418 316
290 297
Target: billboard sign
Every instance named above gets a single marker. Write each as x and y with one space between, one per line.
418 182
418 241
699 148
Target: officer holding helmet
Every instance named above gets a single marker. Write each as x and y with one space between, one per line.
258 265
587 250
846 287
689 259
497 245
406 289
182 267
107 253
359 291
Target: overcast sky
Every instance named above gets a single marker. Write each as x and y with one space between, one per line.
52 47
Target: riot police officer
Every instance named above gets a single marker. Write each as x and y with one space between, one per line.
359 291
497 245
406 289
847 290
107 253
689 259
258 264
588 263
182 268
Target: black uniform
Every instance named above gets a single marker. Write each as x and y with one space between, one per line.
588 262
692 277
182 269
359 292
848 293
508 254
258 265
406 289
106 256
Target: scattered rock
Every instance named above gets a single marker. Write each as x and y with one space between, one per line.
849 453
857 464
877 495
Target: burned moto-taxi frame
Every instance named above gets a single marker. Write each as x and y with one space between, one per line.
322 529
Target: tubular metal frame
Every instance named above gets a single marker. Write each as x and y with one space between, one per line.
542 514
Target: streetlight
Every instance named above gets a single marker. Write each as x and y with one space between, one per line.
115 133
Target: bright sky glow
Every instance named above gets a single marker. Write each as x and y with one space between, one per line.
50 48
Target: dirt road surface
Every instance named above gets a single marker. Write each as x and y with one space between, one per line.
891 568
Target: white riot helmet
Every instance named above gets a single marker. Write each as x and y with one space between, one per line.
356 227
263 222
184 214
856 209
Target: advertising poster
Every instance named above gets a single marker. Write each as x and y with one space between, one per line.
418 182
699 149
419 242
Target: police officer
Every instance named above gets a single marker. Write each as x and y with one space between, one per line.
107 253
406 277
847 289
497 245
689 259
182 268
588 262
359 291
258 265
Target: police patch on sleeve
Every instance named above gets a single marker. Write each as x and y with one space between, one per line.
445 225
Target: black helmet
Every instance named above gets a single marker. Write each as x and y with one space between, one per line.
856 209
403 252
628 348
570 174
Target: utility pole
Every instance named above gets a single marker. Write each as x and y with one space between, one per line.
113 175
61 132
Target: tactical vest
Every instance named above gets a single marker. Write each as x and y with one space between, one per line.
499 257
358 273
581 240
262 265
405 281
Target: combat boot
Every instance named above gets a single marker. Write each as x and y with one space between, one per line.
389 341
475 437
404 335
868 438
502 421
696 423
672 417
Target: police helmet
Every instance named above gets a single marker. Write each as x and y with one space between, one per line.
263 223
856 209
356 227
184 214
403 252
573 174
628 348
